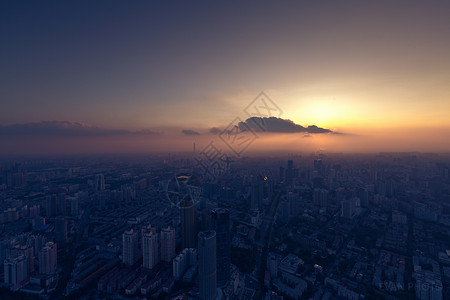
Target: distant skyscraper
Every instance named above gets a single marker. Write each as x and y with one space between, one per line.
282 174
150 247
290 171
320 197
207 270
130 247
363 196
15 269
318 165
188 232
99 182
221 224
348 207
167 244
48 259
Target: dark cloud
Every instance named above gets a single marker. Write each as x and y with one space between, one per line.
64 128
214 130
278 125
189 132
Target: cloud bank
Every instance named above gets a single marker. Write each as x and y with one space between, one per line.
278 125
64 128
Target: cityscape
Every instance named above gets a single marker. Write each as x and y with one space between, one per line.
318 226
224 150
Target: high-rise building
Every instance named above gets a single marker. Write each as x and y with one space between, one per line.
186 258
273 261
39 242
363 196
130 247
290 172
48 259
150 247
188 231
318 165
27 251
320 197
15 269
206 223
167 244
99 182
282 174
348 207
207 269
221 224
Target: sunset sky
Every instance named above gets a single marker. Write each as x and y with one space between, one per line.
379 70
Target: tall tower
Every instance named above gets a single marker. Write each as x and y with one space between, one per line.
221 224
187 216
150 247
167 244
207 264
129 247
48 259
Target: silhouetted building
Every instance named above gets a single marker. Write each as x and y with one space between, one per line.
320 197
221 224
188 231
130 247
48 259
167 244
150 247
99 182
207 271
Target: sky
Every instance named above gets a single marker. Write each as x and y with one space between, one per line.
376 71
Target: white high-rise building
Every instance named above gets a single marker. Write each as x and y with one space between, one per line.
150 247
185 259
130 247
15 270
167 244
48 258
